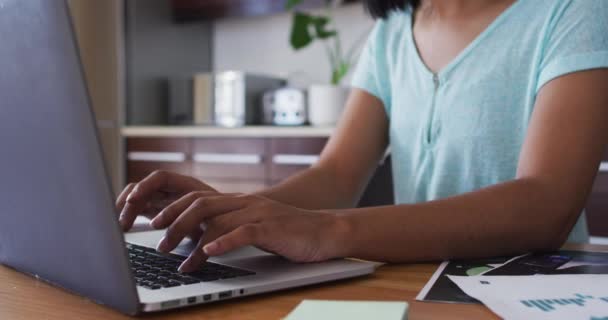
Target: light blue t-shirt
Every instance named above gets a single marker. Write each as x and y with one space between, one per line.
462 129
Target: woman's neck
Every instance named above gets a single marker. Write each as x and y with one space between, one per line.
456 9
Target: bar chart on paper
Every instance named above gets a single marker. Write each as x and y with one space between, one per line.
540 296
549 305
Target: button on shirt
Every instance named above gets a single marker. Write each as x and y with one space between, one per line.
462 129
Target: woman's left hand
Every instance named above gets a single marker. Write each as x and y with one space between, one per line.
234 221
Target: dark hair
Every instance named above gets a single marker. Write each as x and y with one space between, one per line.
382 8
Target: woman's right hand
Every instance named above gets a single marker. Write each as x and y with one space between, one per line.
152 194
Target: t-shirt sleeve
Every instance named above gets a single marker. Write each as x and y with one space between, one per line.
577 40
371 74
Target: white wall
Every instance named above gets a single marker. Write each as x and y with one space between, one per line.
261 45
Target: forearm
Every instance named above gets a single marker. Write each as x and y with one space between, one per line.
510 218
314 188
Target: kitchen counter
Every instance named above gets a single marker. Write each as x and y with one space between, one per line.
211 131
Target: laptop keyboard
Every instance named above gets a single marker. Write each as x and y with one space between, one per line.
154 270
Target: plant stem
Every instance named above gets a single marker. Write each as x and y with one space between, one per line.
330 55
338 57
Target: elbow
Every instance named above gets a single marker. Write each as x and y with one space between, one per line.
553 243
551 226
555 234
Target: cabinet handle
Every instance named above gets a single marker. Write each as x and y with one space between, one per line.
227 158
157 156
295 159
603 166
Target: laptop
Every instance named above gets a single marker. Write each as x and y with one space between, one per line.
58 220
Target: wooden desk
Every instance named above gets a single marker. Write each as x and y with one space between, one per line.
23 297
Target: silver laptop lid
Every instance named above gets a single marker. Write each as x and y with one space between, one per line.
57 219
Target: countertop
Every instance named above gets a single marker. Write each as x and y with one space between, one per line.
211 131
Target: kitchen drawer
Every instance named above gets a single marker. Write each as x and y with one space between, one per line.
291 155
238 158
145 155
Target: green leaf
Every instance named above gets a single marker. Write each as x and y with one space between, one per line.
290 4
300 32
320 24
339 73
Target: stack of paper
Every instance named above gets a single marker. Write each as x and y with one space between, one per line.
540 296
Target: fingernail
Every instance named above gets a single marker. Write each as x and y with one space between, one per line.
209 248
185 266
162 245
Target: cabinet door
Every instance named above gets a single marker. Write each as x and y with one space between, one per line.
229 158
231 164
145 155
291 155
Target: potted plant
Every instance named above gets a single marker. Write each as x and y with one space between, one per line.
325 101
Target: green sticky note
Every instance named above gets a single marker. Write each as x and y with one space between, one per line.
350 310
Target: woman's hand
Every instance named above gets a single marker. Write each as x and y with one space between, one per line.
234 221
152 194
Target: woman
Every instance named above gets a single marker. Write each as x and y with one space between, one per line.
496 115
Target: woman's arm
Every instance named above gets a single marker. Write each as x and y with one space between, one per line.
346 163
535 211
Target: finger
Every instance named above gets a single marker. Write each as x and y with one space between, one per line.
166 181
138 198
154 182
217 227
246 235
127 217
144 191
197 256
157 204
196 213
146 208
196 233
122 198
168 215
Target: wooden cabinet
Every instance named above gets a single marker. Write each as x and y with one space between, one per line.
289 156
230 164
145 155
240 164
